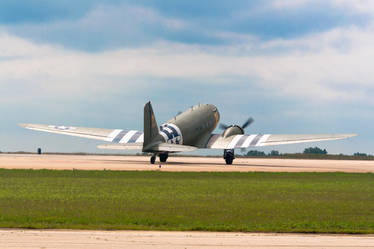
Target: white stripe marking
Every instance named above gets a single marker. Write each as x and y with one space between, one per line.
263 139
112 135
164 135
127 137
168 130
140 139
234 141
248 141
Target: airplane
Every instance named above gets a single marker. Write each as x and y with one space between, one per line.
188 131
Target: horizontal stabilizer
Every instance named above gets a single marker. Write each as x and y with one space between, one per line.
133 146
162 147
173 147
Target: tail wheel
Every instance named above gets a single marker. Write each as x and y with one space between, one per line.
153 159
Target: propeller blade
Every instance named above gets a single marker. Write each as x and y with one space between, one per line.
223 126
248 122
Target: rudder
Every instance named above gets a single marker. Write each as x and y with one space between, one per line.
151 130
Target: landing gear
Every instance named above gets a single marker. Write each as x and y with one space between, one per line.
229 156
153 159
163 157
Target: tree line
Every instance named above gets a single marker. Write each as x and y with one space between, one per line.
316 151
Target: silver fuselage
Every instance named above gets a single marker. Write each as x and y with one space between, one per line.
192 127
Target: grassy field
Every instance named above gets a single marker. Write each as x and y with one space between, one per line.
251 202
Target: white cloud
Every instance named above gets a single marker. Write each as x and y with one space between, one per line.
358 5
364 6
103 27
289 3
331 66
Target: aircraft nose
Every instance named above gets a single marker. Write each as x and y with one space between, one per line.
215 113
212 107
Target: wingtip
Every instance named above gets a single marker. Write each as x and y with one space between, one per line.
23 125
350 135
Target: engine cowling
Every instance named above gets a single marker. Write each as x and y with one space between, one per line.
233 130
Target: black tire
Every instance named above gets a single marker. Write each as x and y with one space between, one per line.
229 160
153 159
163 157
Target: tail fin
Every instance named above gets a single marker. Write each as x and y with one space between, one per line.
151 130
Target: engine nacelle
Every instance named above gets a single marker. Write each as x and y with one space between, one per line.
233 130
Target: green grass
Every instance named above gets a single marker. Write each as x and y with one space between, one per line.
250 202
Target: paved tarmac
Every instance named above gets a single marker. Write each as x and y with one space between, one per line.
78 239
208 164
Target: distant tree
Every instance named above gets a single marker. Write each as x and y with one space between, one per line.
315 150
255 153
274 153
360 154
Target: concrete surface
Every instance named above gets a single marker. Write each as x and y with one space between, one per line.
58 239
60 162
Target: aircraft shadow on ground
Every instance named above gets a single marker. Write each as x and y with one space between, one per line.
181 163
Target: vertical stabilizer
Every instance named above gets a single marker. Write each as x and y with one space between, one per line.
151 131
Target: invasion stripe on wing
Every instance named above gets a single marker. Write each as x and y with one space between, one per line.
263 139
234 141
248 141
120 135
127 137
135 137
241 141
112 135
140 139
256 140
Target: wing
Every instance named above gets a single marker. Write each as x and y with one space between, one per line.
120 139
216 141
115 136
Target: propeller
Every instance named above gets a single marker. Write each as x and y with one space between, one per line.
247 123
223 126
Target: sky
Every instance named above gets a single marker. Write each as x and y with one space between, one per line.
295 66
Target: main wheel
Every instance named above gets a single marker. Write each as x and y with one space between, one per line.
229 160
153 159
163 157
229 156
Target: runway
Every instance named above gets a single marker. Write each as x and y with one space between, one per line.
77 239
192 164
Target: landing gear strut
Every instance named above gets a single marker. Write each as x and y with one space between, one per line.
153 159
163 157
229 156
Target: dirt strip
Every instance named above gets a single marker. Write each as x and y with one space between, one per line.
93 162
77 239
